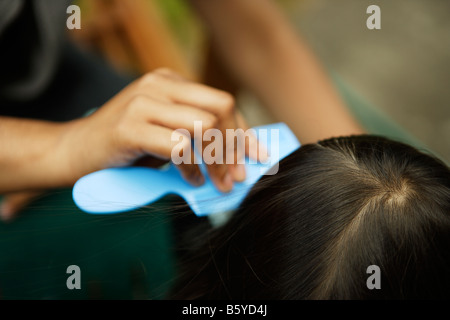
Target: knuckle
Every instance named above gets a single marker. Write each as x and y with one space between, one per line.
227 103
151 78
148 78
164 71
136 103
209 121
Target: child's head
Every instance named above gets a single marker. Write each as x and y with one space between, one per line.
334 209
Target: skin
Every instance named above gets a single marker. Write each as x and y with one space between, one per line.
272 61
266 55
135 125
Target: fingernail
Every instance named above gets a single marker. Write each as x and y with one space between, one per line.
197 179
200 179
227 183
239 172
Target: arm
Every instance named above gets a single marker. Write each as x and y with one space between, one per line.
136 123
29 159
264 54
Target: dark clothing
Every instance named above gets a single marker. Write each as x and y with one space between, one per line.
31 37
82 82
43 76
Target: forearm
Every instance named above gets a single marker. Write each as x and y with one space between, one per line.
31 157
268 57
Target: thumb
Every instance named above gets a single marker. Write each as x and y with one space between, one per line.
13 203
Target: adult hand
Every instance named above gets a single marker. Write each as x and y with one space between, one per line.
137 125
140 120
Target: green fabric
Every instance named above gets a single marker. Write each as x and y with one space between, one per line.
123 256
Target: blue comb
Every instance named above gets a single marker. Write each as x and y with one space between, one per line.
119 190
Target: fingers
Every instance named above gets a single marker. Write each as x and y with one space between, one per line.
13 203
173 116
153 140
169 85
167 100
159 135
254 149
215 102
179 90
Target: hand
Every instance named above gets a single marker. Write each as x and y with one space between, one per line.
134 128
139 121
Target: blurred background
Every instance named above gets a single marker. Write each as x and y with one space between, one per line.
402 69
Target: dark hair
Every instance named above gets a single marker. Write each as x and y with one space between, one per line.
334 209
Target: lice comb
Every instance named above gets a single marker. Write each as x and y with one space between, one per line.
125 189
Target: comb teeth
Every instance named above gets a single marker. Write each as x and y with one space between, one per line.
119 190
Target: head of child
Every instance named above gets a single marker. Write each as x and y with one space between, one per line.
334 209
